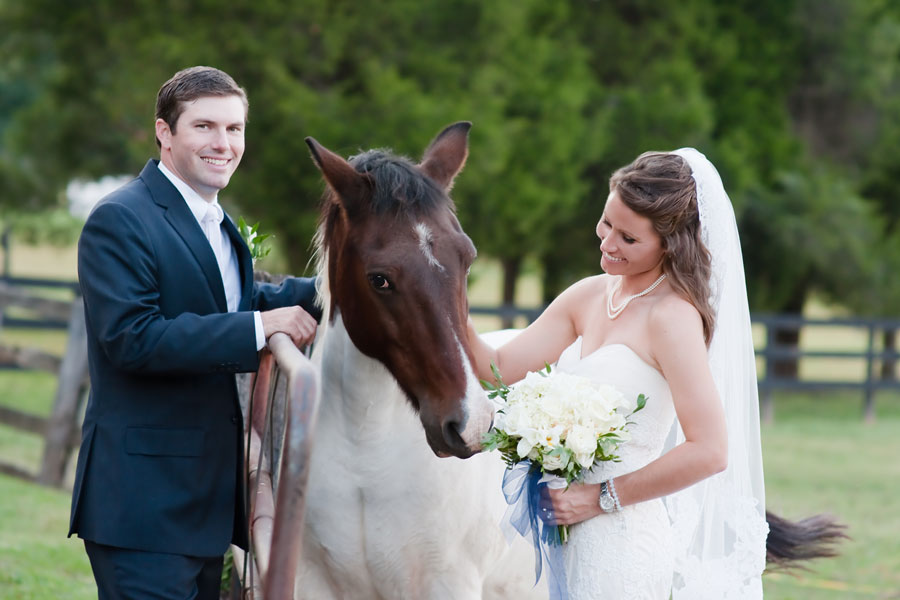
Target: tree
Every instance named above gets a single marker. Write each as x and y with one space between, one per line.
648 96
536 140
560 94
353 78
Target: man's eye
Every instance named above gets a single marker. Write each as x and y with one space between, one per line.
380 282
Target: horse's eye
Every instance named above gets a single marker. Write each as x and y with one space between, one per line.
380 282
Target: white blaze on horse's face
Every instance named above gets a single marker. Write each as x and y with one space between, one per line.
478 409
397 263
426 240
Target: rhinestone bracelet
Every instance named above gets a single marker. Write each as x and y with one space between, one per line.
615 496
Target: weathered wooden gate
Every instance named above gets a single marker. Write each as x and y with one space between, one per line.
280 412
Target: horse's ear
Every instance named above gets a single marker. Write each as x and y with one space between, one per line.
352 188
447 154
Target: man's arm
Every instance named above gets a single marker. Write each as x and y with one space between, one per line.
293 291
118 274
289 307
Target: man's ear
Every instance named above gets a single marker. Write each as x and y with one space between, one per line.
163 133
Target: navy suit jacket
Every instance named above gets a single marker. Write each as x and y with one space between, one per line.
161 454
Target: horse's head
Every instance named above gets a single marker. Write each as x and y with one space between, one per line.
396 261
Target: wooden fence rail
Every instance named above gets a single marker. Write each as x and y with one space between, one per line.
51 313
61 430
873 355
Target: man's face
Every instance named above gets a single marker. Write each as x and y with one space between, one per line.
207 144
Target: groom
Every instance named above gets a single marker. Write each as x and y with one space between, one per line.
172 314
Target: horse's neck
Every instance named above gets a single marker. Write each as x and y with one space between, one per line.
356 389
360 399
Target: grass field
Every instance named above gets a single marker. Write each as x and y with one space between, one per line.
37 562
819 457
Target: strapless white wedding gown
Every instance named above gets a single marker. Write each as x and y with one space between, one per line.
627 555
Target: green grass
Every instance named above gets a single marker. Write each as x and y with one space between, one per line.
37 561
820 457
29 391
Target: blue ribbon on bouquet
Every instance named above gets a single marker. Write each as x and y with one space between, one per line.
523 491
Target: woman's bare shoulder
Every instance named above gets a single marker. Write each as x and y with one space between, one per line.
588 287
672 317
570 304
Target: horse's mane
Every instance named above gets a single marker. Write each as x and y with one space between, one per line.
398 187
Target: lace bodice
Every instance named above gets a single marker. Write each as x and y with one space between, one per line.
620 366
632 554
626 555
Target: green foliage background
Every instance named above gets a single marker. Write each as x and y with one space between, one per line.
794 100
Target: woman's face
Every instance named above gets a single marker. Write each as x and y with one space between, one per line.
628 241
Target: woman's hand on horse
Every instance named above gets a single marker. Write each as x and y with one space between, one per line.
298 324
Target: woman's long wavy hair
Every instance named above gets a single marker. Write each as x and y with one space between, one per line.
660 187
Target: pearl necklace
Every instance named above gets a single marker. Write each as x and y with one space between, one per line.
614 311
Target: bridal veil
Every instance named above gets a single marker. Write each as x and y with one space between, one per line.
719 524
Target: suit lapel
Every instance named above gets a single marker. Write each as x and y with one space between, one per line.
182 220
245 263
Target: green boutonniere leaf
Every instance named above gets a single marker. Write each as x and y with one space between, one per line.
255 241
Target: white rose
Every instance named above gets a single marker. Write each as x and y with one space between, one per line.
555 461
581 440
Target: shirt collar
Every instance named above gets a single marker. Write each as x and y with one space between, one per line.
195 202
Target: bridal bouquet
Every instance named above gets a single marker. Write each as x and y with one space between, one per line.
561 423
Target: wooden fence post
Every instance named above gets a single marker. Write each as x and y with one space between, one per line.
73 373
869 393
768 403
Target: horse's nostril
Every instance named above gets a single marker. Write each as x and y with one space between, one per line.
452 436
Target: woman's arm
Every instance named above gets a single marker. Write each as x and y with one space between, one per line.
676 339
542 341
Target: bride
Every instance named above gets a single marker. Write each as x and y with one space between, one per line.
683 513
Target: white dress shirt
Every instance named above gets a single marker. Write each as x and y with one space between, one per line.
209 216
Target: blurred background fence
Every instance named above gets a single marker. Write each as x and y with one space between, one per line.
779 361
36 304
24 304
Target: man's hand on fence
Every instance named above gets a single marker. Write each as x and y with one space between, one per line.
291 320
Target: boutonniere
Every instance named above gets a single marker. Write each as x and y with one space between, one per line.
255 241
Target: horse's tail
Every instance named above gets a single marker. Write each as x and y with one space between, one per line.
791 542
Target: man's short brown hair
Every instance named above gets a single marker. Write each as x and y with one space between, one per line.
189 84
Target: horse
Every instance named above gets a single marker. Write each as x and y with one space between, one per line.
388 515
